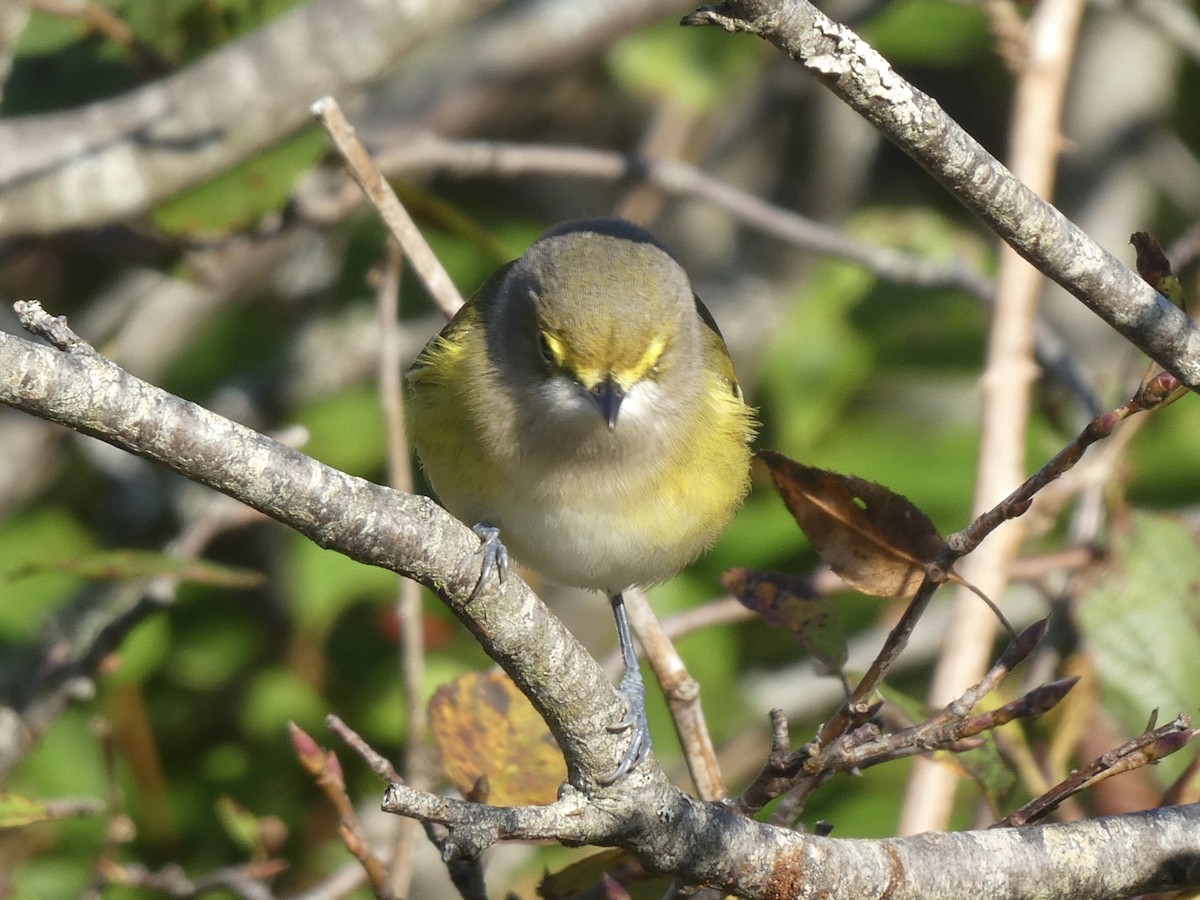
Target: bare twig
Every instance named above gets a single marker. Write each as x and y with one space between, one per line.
428 153
378 763
114 160
671 132
1151 395
53 329
866 746
387 304
780 775
103 20
1141 751
326 772
245 882
434 275
409 609
467 874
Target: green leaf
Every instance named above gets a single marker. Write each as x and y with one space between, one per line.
120 565
33 540
16 810
207 659
816 346
45 34
237 199
276 697
930 32
149 648
695 67
239 823
324 584
1141 622
346 431
786 601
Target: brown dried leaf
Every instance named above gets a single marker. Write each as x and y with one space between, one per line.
1155 268
786 601
488 732
607 874
875 539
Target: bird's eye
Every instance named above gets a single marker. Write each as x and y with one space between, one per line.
545 350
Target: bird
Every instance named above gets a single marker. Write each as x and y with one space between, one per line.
582 413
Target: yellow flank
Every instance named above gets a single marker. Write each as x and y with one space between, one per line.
507 411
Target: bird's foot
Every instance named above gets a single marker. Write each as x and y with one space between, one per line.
495 555
633 689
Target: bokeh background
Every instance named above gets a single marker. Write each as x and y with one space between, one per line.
253 294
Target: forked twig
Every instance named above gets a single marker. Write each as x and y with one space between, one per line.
1141 751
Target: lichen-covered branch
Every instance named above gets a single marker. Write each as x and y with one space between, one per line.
914 121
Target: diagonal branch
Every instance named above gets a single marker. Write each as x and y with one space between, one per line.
914 121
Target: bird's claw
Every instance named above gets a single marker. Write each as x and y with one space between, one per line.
495 556
633 689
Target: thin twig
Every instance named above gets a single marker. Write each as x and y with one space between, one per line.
378 763
1141 751
865 745
778 775
409 609
428 153
326 772
430 269
387 304
852 69
245 881
954 733
672 129
1151 395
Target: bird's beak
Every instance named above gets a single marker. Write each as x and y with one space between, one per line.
608 396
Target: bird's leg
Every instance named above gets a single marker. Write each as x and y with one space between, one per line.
633 689
495 555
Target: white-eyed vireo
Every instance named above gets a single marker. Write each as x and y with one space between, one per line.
583 407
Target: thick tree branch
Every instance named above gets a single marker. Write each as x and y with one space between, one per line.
914 121
702 843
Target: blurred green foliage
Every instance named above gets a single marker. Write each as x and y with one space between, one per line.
238 199
62 62
931 33
857 375
1139 614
